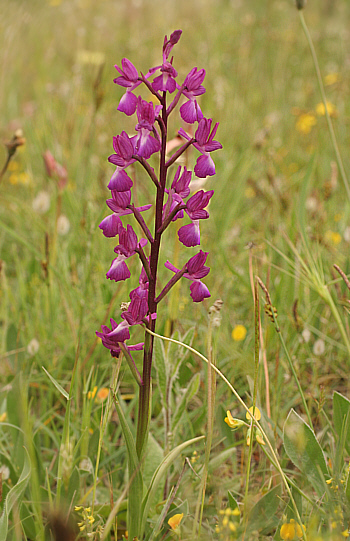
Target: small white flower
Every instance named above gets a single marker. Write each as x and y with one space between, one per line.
63 225
5 471
41 203
86 465
311 204
33 347
319 347
306 334
346 234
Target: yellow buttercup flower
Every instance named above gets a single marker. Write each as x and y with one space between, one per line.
239 333
321 110
175 521
305 123
331 79
333 237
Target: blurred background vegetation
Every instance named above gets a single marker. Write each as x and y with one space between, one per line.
57 62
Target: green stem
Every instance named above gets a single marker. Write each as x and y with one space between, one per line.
255 391
324 99
210 426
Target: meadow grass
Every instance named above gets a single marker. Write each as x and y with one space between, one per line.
280 211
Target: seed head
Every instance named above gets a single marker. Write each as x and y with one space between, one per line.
300 4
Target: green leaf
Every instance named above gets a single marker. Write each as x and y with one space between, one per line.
341 409
158 476
73 491
304 451
232 502
153 457
181 353
57 385
14 343
347 488
161 369
27 521
135 477
264 514
14 496
186 397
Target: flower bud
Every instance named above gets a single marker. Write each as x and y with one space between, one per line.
300 4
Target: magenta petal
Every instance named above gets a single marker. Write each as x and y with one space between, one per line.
204 167
111 226
190 112
129 70
120 333
212 145
147 145
197 261
120 181
189 234
199 291
128 103
169 266
119 270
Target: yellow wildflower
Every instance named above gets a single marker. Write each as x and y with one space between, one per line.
305 123
232 526
321 110
333 237
287 531
231 422
239 333
256 413
91 394
259 437
345 533
175 520
331 79
3 417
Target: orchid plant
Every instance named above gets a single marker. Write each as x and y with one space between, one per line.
172 202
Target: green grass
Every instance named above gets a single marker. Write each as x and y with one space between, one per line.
272 189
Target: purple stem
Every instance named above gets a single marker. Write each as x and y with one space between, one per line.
145 389
141 222
148 168
144 261
149 86
131 364
170 216
175 100
178 153
171 283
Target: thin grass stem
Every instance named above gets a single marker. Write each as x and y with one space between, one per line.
324 99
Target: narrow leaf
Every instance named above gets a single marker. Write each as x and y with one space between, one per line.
341 409
159 475
135 477
161 369
189 393
14 496
57 385
304 451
